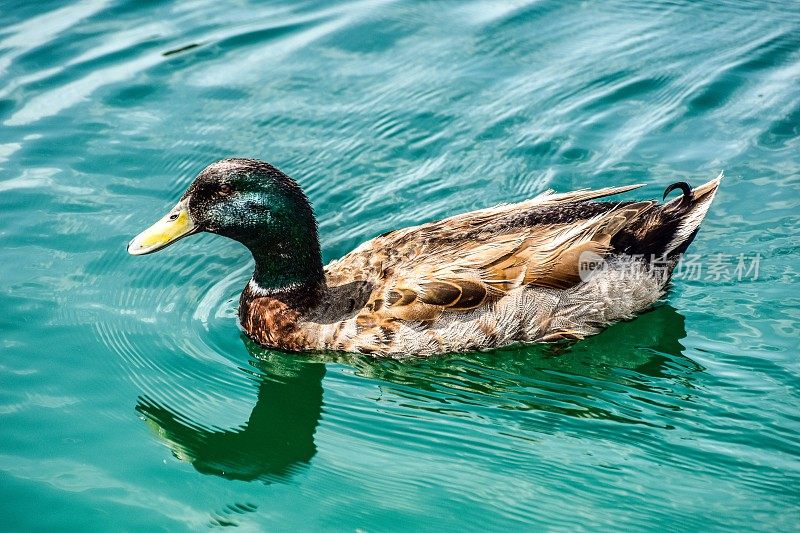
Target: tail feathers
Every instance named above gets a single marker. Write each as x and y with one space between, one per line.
689 210
667 230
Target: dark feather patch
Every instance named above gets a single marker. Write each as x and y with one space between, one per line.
472 295
440 293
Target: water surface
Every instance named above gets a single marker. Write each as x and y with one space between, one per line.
129 398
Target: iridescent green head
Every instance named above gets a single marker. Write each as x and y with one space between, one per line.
254 203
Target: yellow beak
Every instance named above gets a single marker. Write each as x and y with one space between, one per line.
172 227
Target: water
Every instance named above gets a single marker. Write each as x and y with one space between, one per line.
129 398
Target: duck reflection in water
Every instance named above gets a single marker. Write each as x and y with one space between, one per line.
276 440
643 355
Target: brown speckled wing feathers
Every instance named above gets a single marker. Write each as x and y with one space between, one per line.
463 262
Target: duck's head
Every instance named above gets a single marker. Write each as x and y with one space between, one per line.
249 201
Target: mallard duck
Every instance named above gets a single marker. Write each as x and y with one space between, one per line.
558 266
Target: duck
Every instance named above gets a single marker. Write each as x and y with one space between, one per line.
556 267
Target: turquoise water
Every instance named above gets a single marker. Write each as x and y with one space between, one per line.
130 400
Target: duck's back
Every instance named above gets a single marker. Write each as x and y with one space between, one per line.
557 266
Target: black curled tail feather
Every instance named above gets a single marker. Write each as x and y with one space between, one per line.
684 187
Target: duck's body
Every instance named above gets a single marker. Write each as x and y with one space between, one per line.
554 267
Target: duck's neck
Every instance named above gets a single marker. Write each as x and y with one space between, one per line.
289 270
276 273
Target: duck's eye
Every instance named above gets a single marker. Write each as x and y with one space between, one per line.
225 189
